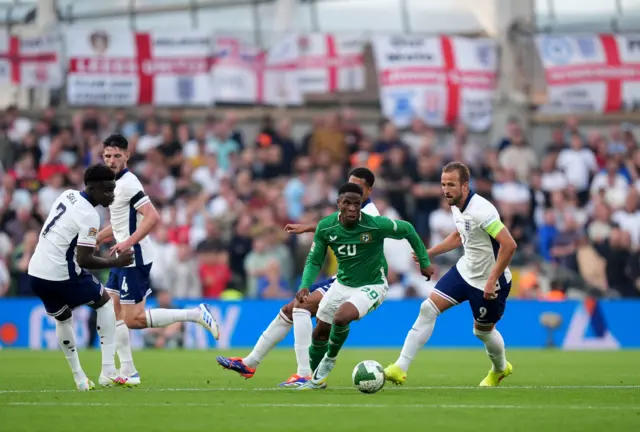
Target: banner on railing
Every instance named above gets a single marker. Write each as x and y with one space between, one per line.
591 73
31 61
331 63
570 325
441 80
121 67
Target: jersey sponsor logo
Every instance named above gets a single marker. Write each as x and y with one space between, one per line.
93 232
332 238
366 238
557 50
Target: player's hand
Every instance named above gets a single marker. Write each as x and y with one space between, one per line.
490 291
428 272
295 228
125 258
120 247
302 295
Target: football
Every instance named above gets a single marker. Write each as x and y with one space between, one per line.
368 376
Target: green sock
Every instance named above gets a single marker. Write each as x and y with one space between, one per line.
317 350
336 339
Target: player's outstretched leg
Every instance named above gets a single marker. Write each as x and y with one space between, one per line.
156 318
417 337
123 342
494 345
106 327
302 331
274 334
67 341
338 333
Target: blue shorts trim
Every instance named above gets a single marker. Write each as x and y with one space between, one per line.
456 290
60 296
323 286
131 283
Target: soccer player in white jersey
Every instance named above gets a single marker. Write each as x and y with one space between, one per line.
56 269
133 217
298 314
481 276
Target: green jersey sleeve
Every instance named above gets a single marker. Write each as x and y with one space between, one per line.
315 258
399 230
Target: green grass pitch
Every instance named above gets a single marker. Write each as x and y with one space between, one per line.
188 391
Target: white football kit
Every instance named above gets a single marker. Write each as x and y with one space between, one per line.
474 224
132 283
55 274
72 222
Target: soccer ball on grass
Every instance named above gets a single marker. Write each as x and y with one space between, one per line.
368 376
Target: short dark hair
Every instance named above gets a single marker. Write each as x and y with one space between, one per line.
116 140
463 171
98 173
364 174
350 187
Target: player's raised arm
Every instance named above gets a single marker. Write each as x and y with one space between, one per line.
397 229
300 228
493 226
314 262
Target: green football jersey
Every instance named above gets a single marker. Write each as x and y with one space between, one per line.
359 249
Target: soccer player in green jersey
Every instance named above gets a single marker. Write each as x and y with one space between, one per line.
357 240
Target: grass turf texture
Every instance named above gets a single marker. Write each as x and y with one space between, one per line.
187 390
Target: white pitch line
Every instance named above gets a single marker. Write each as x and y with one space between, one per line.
388 387
321 405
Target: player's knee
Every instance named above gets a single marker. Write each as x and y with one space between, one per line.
66 315
309 306
287 310
428 310
321 331
483 331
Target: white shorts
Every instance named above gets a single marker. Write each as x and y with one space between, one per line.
365 299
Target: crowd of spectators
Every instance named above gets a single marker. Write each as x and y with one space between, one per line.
224 197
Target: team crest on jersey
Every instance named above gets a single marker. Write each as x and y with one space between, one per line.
365 238
467 224
93 232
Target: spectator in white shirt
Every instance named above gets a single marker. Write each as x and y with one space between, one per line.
614 185
520 157
441 223
578 164
628 218
511 196
151 139
209 175
552 179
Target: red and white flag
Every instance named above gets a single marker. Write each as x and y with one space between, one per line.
120 67
242 73
235 74
441 80
591 73
331 63
31 61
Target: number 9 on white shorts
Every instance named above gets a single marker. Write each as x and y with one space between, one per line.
365 299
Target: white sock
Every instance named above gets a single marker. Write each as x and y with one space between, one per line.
164 317
419 334
302 329
106 326
277 330
123 348
67 341
494 344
